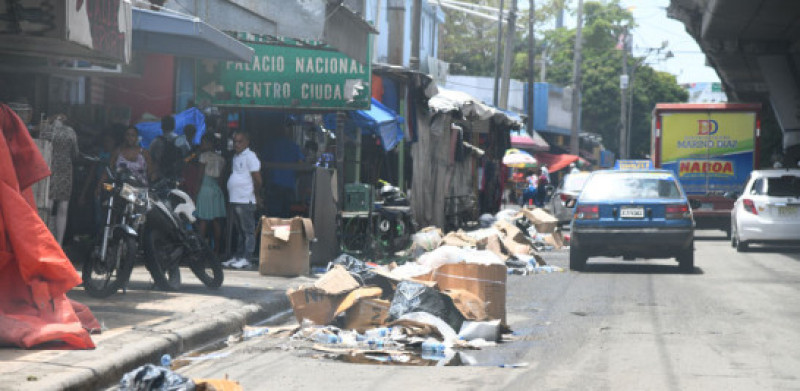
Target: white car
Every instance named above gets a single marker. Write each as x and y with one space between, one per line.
569 190
768 211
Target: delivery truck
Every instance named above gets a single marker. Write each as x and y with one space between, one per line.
711 148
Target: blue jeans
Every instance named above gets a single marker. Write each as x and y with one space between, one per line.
244 220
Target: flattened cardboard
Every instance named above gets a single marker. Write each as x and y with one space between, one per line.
487 282
313 304
359 294
367 313
556 239
285 246
544 222
336 281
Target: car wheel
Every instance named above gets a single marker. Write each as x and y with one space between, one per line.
733 237
686 259
577 258
741 246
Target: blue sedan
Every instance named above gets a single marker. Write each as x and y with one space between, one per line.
632 213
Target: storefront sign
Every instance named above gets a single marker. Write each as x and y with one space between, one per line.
285 74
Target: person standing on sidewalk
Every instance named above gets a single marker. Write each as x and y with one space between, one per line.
244 192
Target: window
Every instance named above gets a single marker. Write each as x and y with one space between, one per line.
757 187
631 186
785 186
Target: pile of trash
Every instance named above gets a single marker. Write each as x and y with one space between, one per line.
451 297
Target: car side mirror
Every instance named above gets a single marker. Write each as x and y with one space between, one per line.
695 204
570 203
731 195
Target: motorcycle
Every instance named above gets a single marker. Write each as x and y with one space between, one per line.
110 263
171 240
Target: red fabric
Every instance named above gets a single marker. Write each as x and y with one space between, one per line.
555 162
377 88
34 272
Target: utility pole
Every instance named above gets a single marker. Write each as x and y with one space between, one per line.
508 53
497 54
413 61
623 91
574 145
396 12
531 60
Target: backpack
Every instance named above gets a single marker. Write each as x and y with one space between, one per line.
170 161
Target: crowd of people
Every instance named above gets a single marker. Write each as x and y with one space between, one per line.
221 173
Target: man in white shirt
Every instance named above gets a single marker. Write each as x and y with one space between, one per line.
244 192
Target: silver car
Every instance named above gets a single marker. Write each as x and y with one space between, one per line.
569 189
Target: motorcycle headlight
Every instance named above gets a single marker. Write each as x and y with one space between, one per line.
128 192
134 195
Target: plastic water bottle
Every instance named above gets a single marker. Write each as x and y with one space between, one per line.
376 343
166 360
433 346
379 332
326 338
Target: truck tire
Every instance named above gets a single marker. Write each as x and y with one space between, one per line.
577 258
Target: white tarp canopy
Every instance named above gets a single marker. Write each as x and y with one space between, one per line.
472 109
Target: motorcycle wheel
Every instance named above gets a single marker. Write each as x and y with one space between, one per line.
158 244
207 267
102 279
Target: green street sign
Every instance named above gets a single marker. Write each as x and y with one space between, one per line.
285 74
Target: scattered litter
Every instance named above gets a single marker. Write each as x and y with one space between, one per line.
150 377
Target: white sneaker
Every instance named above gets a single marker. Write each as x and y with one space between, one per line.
230 262
241 263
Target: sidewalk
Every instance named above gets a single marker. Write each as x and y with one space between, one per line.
143 324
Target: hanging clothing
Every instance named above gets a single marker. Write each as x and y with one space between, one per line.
65 150
35 274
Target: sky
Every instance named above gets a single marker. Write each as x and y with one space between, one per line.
654 27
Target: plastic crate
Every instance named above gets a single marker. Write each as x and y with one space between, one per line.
358 197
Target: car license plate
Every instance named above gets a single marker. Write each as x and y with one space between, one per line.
787 210
707 205
631 213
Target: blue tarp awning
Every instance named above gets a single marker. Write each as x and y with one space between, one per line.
163 32
379 120
148 131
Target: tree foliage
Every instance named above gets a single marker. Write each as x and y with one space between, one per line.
469 42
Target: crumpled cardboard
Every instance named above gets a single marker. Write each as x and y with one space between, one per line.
470 305
514 240
544 222
461 239
487 282
285 246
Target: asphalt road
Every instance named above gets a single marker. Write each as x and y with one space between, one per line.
618 325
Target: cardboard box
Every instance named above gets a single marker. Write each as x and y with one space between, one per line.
313 304
285 246
320 302
366 313
487 282
556 239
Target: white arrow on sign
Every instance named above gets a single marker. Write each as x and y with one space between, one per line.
213 88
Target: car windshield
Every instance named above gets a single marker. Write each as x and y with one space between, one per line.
785 186
575 182
630 186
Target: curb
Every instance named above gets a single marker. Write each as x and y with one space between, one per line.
174 342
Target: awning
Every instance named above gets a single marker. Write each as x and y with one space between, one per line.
555 162
521 140
379 120
164 32
470 108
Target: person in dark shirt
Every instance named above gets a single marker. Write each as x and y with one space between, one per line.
281 190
